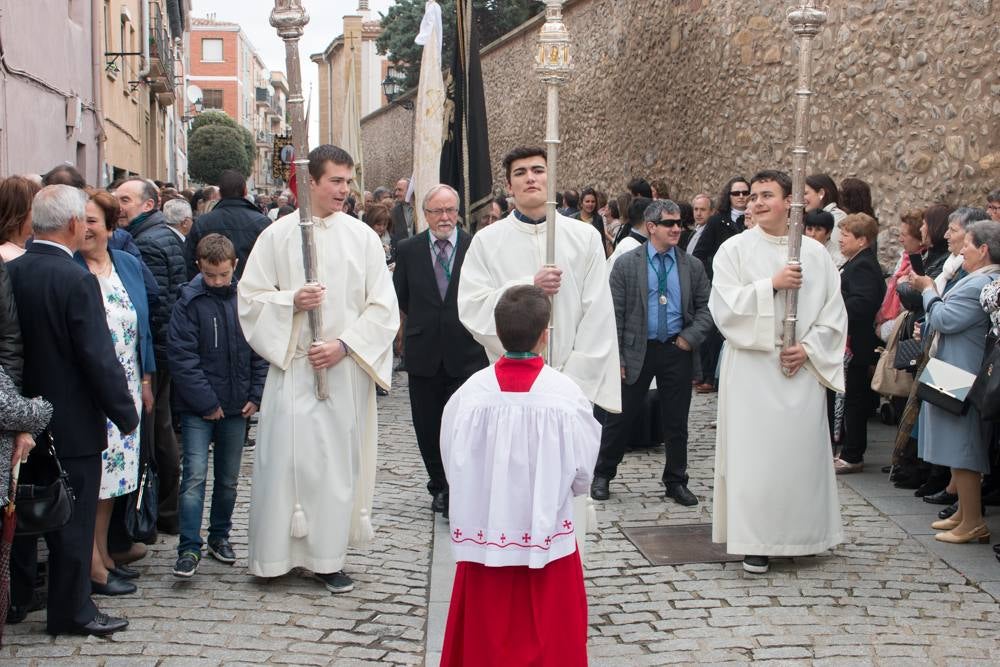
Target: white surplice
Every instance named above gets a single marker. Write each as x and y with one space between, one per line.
775 488
585 338
317 455
626 244
514 461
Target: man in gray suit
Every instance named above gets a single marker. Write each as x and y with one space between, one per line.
660 295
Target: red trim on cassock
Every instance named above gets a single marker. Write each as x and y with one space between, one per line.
517 375
515 615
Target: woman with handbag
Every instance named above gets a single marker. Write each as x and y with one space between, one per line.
929 226
960 325
127 310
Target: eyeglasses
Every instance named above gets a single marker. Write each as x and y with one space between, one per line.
451 210
993 207
669 223
739 193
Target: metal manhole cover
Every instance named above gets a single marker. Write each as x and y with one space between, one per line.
679 545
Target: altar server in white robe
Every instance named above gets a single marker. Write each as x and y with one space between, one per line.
775 490
512 252
314 471
518 441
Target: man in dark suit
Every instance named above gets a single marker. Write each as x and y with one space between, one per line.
440 354
660 295
70 360
402 212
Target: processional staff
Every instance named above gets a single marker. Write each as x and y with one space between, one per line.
290 18
806 22
553 64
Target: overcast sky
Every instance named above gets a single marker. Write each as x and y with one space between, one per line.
325 23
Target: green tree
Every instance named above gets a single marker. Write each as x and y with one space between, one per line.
213 148
222 119
494 18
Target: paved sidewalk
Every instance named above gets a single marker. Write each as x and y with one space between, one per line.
883 597
224 616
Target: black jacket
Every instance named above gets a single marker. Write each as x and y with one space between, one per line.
163 252
934 259
11 352
69 358
719 228
399 230
863 289
211 363
433 333
236 219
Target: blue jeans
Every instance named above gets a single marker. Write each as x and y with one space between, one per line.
196 434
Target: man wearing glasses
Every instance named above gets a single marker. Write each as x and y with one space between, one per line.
993 204
660 295
440 354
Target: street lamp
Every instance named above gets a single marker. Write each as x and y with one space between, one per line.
197 107
391 87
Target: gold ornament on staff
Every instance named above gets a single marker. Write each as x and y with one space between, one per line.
806 22
554 64
290 18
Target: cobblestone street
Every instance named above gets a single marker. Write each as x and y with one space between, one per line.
882 597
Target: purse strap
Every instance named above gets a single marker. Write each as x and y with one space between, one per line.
52 452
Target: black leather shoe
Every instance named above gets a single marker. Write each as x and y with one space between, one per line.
99 627
125 572
168 527
440 502
599 488
929 488
681 494
941 498
948 511
115 586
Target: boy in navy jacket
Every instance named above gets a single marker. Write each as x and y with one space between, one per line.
217 385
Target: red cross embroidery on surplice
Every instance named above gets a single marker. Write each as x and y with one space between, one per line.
480 534
503 537
526 538
548 540
458 533
567 524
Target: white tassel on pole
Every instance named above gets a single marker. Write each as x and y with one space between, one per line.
591 516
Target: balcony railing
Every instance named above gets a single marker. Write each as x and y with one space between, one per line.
161 59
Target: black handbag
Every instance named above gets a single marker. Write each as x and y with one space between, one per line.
908 352
44 496
985 392
142 505
945 385
141 510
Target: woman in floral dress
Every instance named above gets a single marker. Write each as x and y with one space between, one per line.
127 310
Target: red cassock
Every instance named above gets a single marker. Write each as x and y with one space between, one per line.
517 616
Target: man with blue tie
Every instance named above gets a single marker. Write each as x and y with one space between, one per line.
660 295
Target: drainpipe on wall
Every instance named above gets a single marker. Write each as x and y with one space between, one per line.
96 39
144 72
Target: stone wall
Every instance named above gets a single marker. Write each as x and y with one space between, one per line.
387 136
695 91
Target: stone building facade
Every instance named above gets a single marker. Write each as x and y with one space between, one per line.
907 97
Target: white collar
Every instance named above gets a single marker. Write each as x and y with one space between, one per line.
55 244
